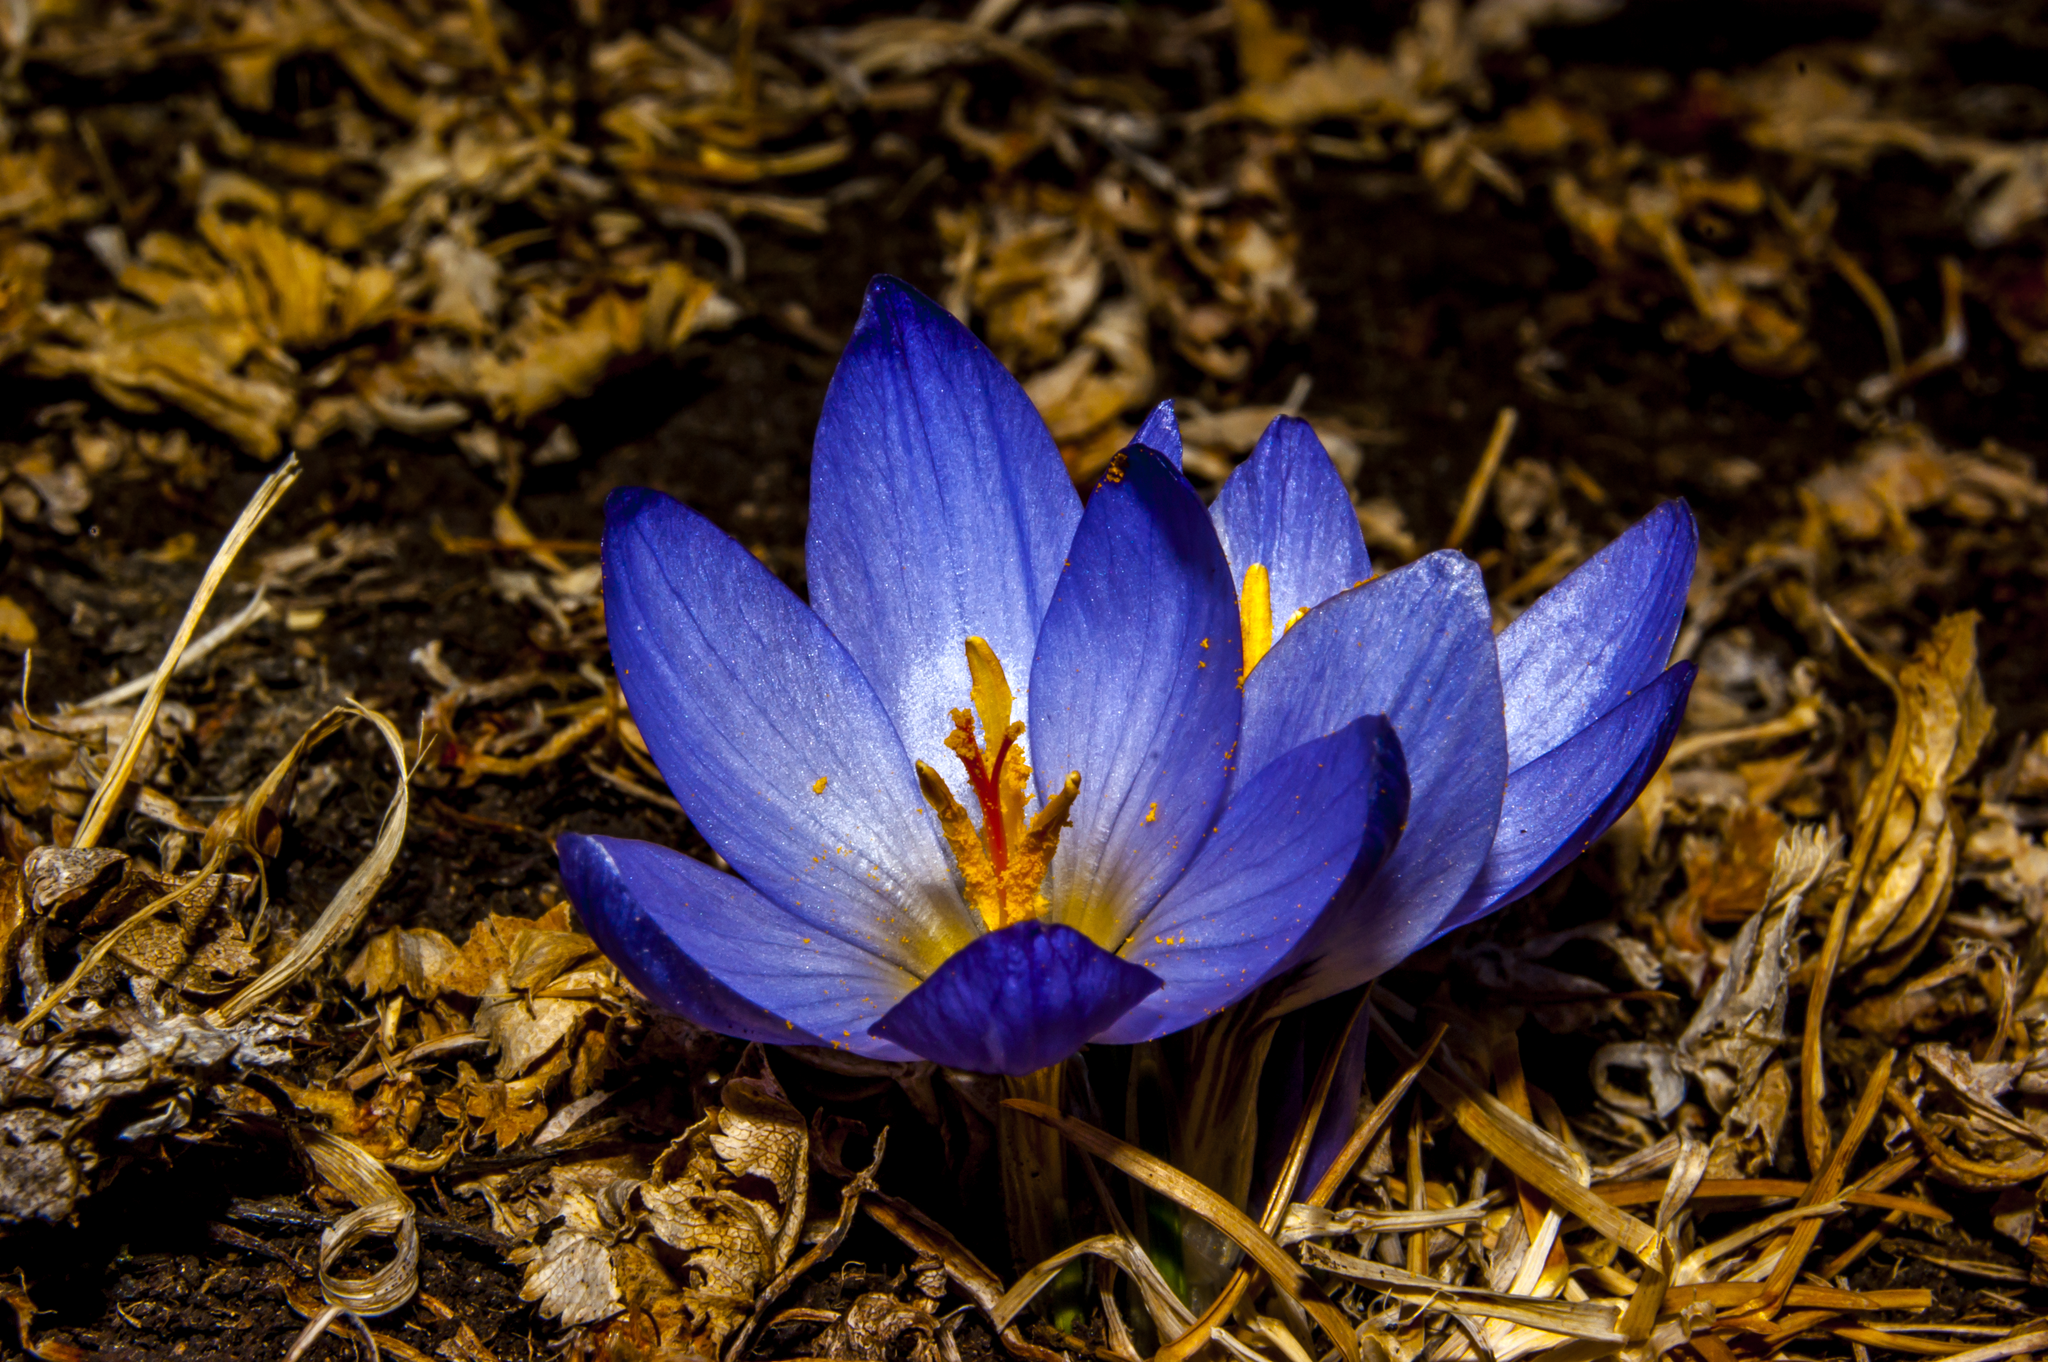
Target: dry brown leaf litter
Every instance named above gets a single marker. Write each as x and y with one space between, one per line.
515 1036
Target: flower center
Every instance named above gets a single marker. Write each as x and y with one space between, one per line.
1004 860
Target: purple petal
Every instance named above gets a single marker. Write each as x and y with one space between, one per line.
1599 634
1417 646
705 946
1016 1000
770 737
1560 803
940 509
1340 1108
1286 507
1161 433
1301 1045
1284 843
1135 687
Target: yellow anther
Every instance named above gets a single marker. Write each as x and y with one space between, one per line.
1255 615
983 887
1013 785
1032 855
990 694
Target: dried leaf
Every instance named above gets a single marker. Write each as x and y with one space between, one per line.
1946 719
1740 1021
402 958
570 1272
135 1055
699 1199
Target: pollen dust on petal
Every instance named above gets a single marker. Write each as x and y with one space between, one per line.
1152 813
818 785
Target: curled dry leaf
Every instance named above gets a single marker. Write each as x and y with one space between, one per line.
681 1255
539 988
415 961
570 1272
136 1054
1070 287
877 1325
701 1200
1944 722
1740 1022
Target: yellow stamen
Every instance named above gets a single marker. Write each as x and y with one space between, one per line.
1013 787
1004 861
1295 618
1032 855
1255 615
990 695
983 887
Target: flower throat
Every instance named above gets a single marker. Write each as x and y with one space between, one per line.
1004 861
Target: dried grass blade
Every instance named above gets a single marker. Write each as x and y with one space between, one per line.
1531 1154
1170 1318
963 1269
1706 1255
267 496
1482 476
381 1208
2028 1340
1740 1297
1111 1248
1813 1076
201 649
1712 1348
1639 1318
1116 1333
1904 1343
1368 1129
1687 1174
345 911
1311 1117
1305 1222
1588 1320
1830 1180
1767 1189
1169 1181
1418 1199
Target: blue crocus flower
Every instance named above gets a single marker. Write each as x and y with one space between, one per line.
1244 758
920 873
1520 749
